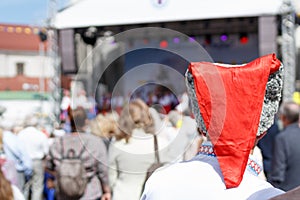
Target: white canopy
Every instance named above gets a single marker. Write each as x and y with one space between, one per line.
86 13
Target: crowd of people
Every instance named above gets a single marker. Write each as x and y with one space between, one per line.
116 150
219 150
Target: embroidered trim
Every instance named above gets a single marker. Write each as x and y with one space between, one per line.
207 150
253 166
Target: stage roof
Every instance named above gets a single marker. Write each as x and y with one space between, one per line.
85 13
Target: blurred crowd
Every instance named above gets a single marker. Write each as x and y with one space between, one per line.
116 147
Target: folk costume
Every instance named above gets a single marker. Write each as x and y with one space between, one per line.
233 105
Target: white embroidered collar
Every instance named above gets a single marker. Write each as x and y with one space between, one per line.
252 165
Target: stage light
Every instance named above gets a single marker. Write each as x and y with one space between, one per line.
224 37
192 39
43 35
244 38
207 40
90 35
163 44
176 40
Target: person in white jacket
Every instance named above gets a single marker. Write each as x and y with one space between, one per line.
37 145
132 153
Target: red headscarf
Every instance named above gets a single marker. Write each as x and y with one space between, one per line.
230 100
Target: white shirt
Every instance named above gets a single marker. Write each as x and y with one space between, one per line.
35 142
201 178
65 103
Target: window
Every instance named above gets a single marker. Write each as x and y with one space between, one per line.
20 68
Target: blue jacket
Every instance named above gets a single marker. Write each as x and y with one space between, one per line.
14 150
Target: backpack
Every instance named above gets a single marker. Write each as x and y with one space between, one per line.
71 174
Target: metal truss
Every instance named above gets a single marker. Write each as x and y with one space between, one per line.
288 49
52 51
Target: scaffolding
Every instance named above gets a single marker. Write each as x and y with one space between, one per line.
52 52
288 48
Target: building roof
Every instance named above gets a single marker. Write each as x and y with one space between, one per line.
85 13
19 37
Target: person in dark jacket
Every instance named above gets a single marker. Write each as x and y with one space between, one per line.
266 145
286 160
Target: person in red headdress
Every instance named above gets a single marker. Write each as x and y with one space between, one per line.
234 105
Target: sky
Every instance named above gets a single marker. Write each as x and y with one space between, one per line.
28 12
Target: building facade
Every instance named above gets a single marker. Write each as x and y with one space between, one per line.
24 64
